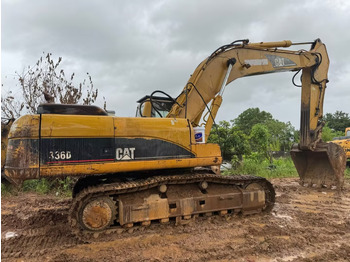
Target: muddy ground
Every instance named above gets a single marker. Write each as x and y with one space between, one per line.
305 225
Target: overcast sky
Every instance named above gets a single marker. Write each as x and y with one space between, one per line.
131 48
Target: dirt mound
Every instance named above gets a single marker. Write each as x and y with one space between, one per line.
305 225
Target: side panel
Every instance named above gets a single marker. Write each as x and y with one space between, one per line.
85 150
68 145
76 150
76 126
148 149
86 145
176 131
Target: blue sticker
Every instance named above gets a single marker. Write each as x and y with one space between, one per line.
198 136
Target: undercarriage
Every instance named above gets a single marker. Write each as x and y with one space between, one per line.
111 206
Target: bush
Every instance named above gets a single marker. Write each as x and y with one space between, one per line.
347 172
282 167
43 186
6 189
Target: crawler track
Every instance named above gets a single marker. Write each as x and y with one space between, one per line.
115 190
305 225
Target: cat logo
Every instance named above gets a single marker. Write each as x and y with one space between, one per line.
125 153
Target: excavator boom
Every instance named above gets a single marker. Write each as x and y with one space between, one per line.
242 59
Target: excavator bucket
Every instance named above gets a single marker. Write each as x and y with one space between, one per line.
324 166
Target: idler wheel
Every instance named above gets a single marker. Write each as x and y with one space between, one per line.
97 214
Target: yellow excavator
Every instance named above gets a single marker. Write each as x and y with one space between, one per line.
135 170
344 142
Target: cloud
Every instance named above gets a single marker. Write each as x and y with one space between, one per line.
131 48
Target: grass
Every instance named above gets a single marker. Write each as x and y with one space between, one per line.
347 172
59 187
41 186
6 189
282 167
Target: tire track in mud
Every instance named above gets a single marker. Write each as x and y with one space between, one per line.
36 226
305 225
36 242
320 220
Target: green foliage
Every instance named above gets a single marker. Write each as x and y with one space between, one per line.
221 134
240 145
328 134
233 142
59 187
260 139
253 131
283 135
283 167
250 117
347 172
337 121
280 135
6 189
43 186
64 186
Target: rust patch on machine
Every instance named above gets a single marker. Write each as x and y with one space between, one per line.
98 213
22 160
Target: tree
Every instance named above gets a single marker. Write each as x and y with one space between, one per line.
328 134
250 117
46 80
240 145
221 134
260 139
233 142
337 121
282 135
253 131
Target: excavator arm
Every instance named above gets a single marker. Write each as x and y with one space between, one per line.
240 59
230 62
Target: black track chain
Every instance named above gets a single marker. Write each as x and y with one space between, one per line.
114 189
